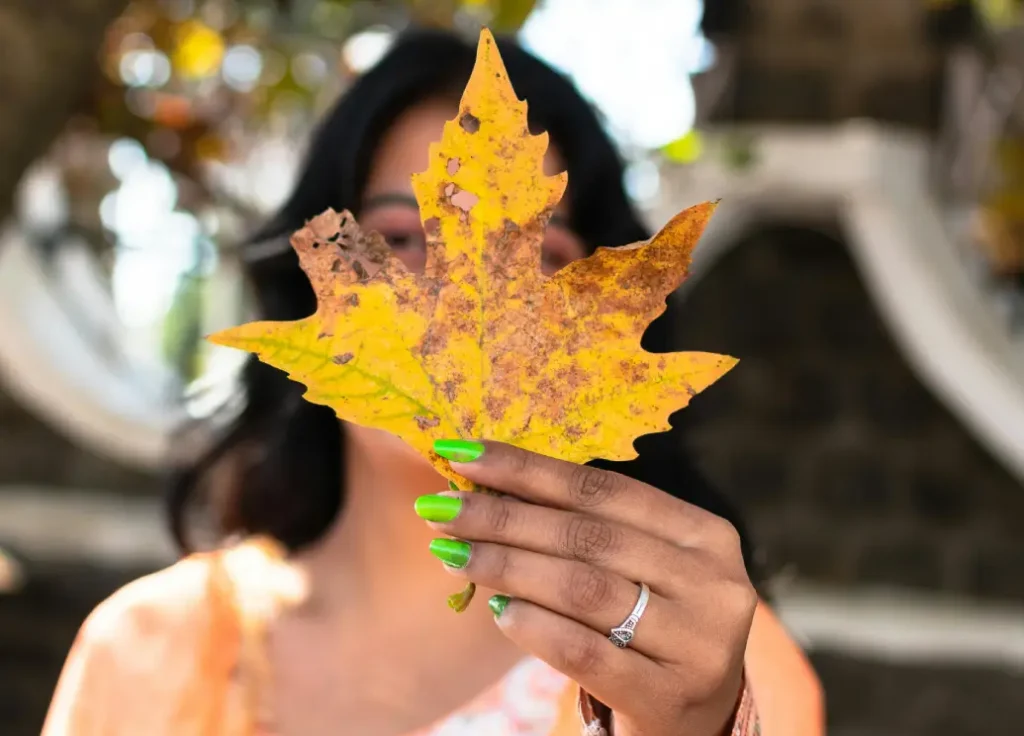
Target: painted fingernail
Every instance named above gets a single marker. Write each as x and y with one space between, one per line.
453 486
497 604
459 451
438 508
452 552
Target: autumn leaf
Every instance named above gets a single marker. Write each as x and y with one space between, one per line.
483 344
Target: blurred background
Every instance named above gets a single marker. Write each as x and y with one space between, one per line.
867 266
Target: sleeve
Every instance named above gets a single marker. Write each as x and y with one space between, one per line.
596 720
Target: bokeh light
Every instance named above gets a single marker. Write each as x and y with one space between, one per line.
638 76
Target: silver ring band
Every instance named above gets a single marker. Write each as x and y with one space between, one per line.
622 634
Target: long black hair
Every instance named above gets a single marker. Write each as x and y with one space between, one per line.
287 454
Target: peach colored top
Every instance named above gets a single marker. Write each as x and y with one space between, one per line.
163 655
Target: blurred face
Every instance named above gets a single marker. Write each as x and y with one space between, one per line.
390 208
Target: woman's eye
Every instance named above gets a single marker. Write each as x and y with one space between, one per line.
553 260
402 241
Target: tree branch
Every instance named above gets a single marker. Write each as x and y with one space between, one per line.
48 58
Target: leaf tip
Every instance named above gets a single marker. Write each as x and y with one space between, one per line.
228 338
486 37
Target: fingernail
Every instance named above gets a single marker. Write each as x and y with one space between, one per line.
459 451
452 486
497 604
452 552
438 508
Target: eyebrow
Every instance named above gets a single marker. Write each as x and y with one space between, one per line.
389 198
407 200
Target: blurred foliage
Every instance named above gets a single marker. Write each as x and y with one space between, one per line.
1000 222
997 14
685 149
182 331
183 76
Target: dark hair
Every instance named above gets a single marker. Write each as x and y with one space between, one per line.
290 485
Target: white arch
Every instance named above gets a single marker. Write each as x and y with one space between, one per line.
874 180
51 367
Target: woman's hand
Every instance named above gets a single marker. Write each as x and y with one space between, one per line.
571 559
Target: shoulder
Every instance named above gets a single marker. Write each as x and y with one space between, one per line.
152 624
150 607
246 580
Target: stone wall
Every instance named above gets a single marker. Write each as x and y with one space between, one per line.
849 470
827 60
876 698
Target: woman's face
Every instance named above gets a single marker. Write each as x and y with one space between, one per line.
390 208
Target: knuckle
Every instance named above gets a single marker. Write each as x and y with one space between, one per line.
582 654
722 536
587 539
590 486
588 589
498 515
520 462
742 599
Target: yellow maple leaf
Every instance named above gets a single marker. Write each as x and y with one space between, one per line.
483 344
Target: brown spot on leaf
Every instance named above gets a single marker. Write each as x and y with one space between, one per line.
434 341
360 271
469 122
495 404
342 359
353 300
425 423
633 371
432 226
450 388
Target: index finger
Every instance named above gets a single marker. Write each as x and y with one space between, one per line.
560 484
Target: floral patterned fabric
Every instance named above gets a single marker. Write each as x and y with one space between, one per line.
526 702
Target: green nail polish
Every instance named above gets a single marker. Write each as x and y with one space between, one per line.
452 552
438 508
459 451
452 486
497 604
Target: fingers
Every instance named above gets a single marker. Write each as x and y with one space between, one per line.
614 676
599 599
599 493
603 543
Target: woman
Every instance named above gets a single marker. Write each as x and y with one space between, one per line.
371 647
